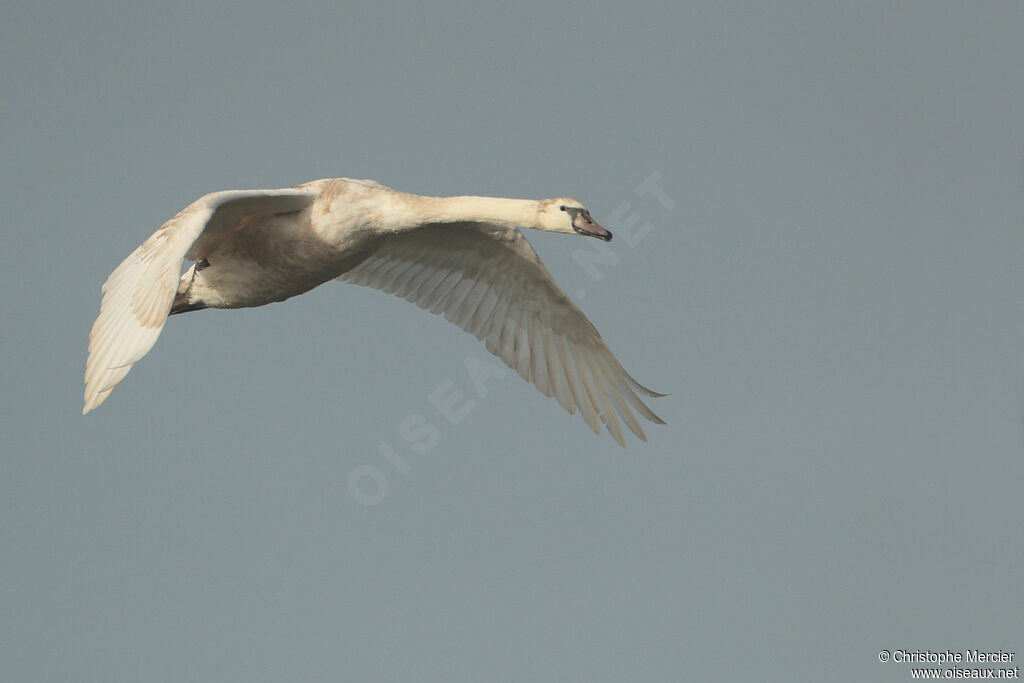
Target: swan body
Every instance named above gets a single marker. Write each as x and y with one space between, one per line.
463 257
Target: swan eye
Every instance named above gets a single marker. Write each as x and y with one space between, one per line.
562 207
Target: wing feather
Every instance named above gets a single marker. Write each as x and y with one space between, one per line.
587 407
489 281
138 294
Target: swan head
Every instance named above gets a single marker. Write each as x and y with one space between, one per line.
570 216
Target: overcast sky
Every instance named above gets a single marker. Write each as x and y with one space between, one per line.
823 269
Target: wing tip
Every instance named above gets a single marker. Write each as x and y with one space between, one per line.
644 390
93 399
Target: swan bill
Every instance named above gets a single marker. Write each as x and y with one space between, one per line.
585 225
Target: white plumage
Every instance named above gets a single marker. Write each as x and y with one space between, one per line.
461 257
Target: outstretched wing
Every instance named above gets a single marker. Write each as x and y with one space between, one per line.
138 294
489 281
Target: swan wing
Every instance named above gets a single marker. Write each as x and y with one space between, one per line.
138 294
489 281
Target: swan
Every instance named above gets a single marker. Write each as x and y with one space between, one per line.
463 257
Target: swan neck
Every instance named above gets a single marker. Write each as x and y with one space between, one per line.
509 212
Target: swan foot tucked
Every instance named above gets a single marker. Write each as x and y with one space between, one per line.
181 305
182 298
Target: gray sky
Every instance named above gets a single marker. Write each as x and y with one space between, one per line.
829 286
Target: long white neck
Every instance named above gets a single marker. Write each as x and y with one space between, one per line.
509 212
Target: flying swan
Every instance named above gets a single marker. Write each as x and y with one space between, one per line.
462 257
